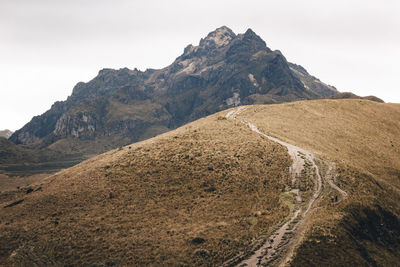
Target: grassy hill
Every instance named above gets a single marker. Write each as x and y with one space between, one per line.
202 193
363 139
358 133
192 196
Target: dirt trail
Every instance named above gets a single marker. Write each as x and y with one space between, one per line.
330 180
232 114
279 247
275 244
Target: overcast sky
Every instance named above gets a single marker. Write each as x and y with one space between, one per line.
47 46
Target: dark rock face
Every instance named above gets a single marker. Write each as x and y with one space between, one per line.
225 70
311 83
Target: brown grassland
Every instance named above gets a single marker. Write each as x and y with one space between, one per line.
362 138
200 194
194 196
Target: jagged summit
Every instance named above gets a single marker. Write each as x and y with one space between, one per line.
217 39
251 35
222 36
223 28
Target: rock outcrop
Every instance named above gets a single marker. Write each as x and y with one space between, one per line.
5 133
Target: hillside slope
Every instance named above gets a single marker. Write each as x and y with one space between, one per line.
189 197
203 193
362 138
359 133
119 107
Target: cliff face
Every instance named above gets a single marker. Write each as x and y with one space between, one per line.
224 70
5 133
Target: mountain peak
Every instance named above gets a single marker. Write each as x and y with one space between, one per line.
220 37
224 29
249 31
251 35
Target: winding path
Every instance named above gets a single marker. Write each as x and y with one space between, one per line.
279 244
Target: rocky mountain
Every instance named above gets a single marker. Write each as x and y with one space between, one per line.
5 133
121 106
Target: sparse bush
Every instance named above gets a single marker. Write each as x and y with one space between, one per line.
210 189
203 253
198 240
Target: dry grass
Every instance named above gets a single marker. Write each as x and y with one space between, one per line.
194 196
8 183
363 139
358 133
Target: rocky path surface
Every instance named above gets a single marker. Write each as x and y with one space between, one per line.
279 247
232 114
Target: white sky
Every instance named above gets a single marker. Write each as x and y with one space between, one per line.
47 46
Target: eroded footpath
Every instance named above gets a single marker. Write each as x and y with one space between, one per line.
279 247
